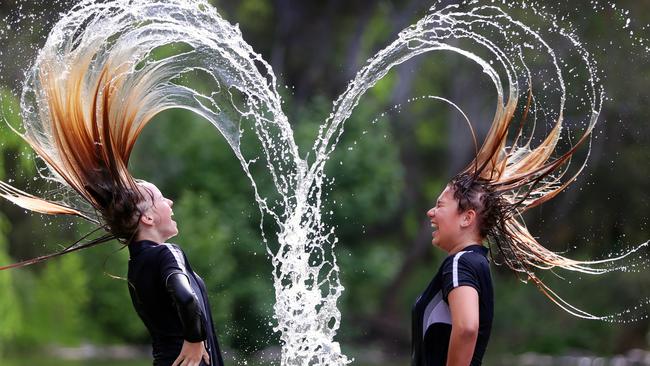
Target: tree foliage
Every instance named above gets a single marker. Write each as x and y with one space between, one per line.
389 167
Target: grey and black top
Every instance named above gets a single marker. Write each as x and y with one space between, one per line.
431 321
172 308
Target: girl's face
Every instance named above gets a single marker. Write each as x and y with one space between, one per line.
446 220
160 211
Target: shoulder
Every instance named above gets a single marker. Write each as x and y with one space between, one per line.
169 251
466 260
465 268
171 259
473 259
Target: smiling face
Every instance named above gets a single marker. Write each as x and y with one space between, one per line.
446 220
156 222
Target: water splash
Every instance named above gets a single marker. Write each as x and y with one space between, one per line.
146 51
147 54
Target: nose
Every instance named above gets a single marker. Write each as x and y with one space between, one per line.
170 202
431 212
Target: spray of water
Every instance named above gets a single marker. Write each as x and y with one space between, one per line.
146 51
143 53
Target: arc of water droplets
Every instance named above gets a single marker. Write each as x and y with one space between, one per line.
244 101
434 33
149 47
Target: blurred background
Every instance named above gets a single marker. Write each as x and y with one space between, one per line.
72 311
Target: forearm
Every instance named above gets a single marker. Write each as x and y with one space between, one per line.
461 347
187 307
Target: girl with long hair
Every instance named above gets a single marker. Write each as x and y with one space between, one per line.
480 211
83 110
480 206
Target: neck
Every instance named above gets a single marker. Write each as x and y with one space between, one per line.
149 236
464 244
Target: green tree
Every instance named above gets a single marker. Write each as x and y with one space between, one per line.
10 306
56 312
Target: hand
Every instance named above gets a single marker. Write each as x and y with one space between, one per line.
191 354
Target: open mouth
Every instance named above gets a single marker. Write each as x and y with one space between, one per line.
435 229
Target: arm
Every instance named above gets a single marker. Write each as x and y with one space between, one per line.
189 312
464 308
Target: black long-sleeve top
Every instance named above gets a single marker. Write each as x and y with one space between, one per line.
171 300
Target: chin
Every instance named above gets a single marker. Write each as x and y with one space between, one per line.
435 241
439 244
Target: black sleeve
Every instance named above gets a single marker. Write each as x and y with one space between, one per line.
187 306
460 270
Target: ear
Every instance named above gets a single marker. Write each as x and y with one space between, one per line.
147 219
467 218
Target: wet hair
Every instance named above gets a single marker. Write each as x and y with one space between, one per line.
475 195
82 118
502 182
122 214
